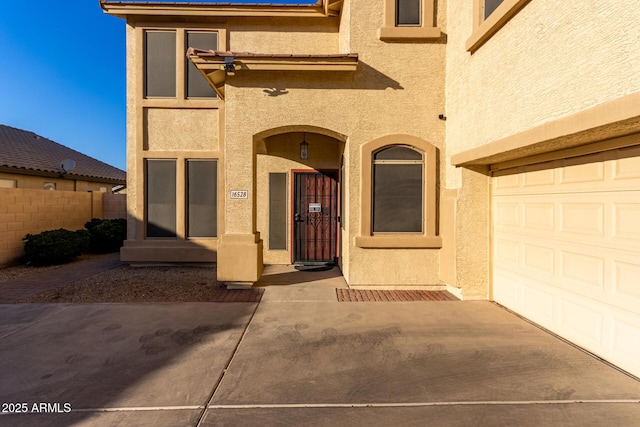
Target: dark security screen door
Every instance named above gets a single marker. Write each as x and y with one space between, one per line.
315 216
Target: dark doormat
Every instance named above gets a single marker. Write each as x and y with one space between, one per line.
366 295
237 295
313 267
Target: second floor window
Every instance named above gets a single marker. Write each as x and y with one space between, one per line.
490 6
161 63
408 12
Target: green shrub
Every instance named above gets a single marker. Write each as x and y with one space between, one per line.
54 246
106 235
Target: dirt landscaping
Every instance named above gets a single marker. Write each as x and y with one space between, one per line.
125 284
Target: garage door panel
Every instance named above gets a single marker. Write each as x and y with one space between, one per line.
509 290
627 221
582 218
626 278
538 303
539 178
628 168
590 172
539 216
507 182
625 340
509 252
582 322
566 247
507 214
581 270
610 223
608 276
539 260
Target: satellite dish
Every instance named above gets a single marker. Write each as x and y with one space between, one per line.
67 164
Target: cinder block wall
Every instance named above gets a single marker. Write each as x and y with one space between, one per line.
31 211
114 206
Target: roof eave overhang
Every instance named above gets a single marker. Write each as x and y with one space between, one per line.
611 125
124 9
215 66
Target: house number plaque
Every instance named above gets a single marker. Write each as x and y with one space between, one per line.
239 194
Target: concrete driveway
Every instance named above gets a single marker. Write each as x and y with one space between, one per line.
299 358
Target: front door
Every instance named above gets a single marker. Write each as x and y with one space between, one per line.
315 217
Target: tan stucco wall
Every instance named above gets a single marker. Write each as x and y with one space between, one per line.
549 63
184 129
133 171
178 129
551 60
398 89
290 35
389 94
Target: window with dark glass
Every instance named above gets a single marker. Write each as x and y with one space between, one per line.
490 6
197 85
277 211
160 64
160 200
398 191
408 12
202 198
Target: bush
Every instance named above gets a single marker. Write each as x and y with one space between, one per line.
54 246
106 235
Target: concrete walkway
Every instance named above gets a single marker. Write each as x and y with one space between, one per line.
300 358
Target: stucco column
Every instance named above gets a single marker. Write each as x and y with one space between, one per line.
472 235
240 252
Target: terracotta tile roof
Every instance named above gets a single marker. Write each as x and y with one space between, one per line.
205 3
218 53
21 149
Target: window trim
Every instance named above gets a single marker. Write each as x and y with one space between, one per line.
483 29
187 198
188 63
428 238
181 100
397 13
147 162
145 67
425 31
396 162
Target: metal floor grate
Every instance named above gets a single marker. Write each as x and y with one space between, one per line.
237 295
366 295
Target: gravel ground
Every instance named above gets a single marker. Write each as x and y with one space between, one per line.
137 284
20 271
127 284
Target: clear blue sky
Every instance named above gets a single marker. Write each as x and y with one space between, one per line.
62 73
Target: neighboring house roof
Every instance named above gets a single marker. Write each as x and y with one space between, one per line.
27 152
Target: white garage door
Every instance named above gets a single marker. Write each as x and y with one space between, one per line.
566 251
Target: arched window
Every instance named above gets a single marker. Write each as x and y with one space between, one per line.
398 202
398 190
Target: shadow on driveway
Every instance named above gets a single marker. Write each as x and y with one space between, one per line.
115 356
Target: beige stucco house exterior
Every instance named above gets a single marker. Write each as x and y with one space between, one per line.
489 147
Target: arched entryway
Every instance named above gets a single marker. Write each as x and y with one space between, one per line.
298 197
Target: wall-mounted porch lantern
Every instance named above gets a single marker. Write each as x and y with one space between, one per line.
304 147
